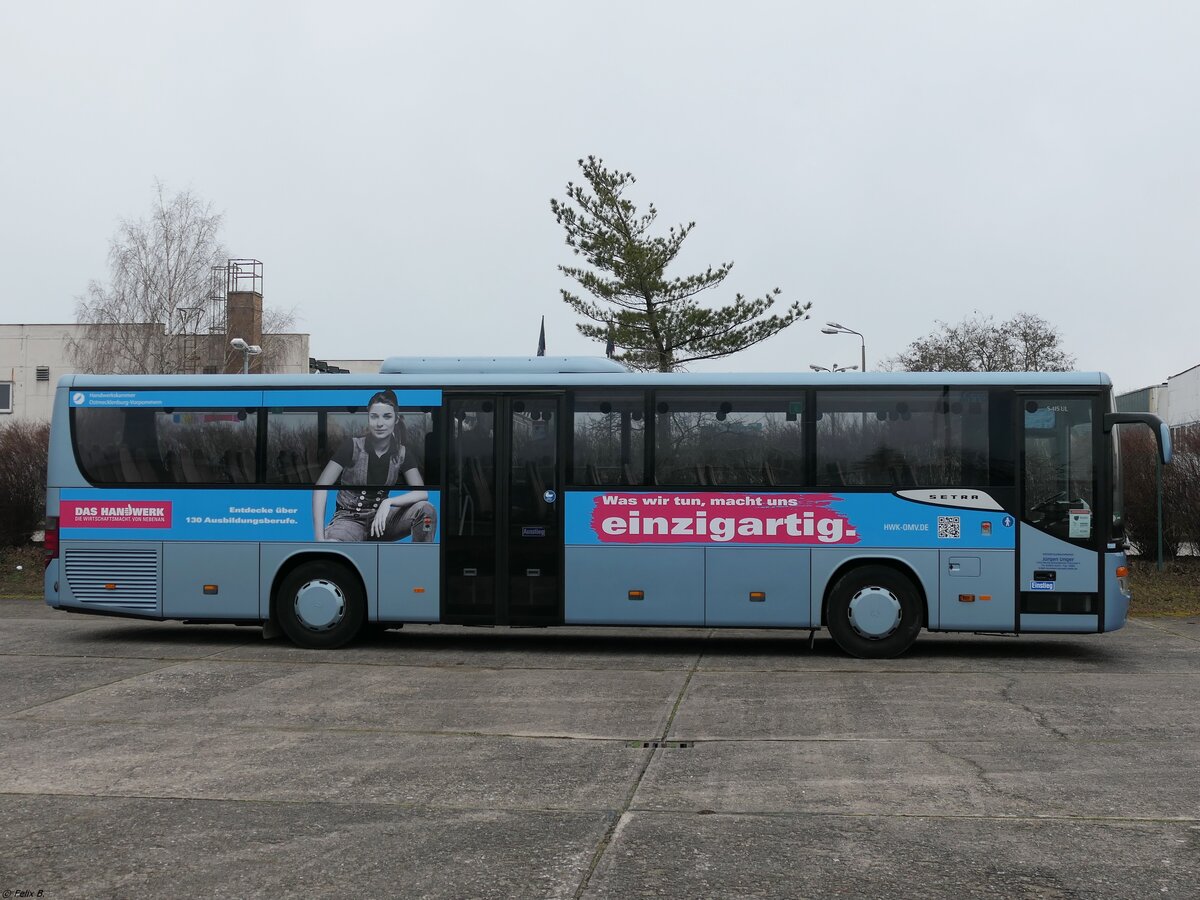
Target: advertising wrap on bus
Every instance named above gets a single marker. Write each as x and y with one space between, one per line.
282 399
211 515
803 519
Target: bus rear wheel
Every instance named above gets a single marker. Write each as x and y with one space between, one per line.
320 605
874 612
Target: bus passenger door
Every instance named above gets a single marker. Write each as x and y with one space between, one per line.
1060 536
503 526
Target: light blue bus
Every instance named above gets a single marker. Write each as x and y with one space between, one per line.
546 491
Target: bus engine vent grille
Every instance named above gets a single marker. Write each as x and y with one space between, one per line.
114 577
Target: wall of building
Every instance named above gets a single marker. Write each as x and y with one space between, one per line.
1151 399
25 348
285 354
1183 397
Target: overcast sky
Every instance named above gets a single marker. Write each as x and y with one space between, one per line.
391 164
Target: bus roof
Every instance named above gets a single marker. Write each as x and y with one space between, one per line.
495 365
469 372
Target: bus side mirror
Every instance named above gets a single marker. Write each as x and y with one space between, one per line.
1162 431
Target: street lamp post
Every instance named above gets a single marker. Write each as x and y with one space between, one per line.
248 350
835 328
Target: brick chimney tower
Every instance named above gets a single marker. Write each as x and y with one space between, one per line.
244 312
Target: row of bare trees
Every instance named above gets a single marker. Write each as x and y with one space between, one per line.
1180 490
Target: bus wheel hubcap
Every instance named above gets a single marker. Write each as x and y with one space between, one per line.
320 605
875 612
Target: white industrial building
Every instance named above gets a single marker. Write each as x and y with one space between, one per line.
1176 401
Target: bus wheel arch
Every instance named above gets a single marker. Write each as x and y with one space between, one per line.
319 600
890 603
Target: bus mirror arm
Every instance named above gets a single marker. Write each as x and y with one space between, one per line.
1162 432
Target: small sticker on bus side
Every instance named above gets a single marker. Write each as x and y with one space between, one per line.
1041 585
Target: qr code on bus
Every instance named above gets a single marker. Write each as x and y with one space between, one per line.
949 527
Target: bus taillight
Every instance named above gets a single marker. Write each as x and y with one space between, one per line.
51 541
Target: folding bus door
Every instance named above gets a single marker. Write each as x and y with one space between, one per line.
503 523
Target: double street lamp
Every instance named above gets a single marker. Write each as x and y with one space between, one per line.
835 328
248 350
834 368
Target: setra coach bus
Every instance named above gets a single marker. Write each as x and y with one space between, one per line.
571 491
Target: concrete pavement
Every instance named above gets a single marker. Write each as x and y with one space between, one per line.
156 759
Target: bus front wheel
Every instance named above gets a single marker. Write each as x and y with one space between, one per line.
874 612
320 605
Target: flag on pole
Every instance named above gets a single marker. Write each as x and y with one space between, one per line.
542 339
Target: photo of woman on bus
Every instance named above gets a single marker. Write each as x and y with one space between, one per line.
380 459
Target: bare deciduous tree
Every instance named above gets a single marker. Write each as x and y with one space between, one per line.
158 290
156 313
1024 343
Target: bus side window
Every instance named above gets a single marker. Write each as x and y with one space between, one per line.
187 468
129 469
150 471
233 467
902 438
608 437
729 438
833 474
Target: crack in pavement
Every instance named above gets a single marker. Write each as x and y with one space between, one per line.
1039 718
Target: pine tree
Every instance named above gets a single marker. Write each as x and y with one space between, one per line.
656 321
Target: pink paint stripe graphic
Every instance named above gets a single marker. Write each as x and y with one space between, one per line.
115 514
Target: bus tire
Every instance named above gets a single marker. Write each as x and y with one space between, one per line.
320 605
874 612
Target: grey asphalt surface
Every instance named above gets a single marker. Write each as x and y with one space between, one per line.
144 759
